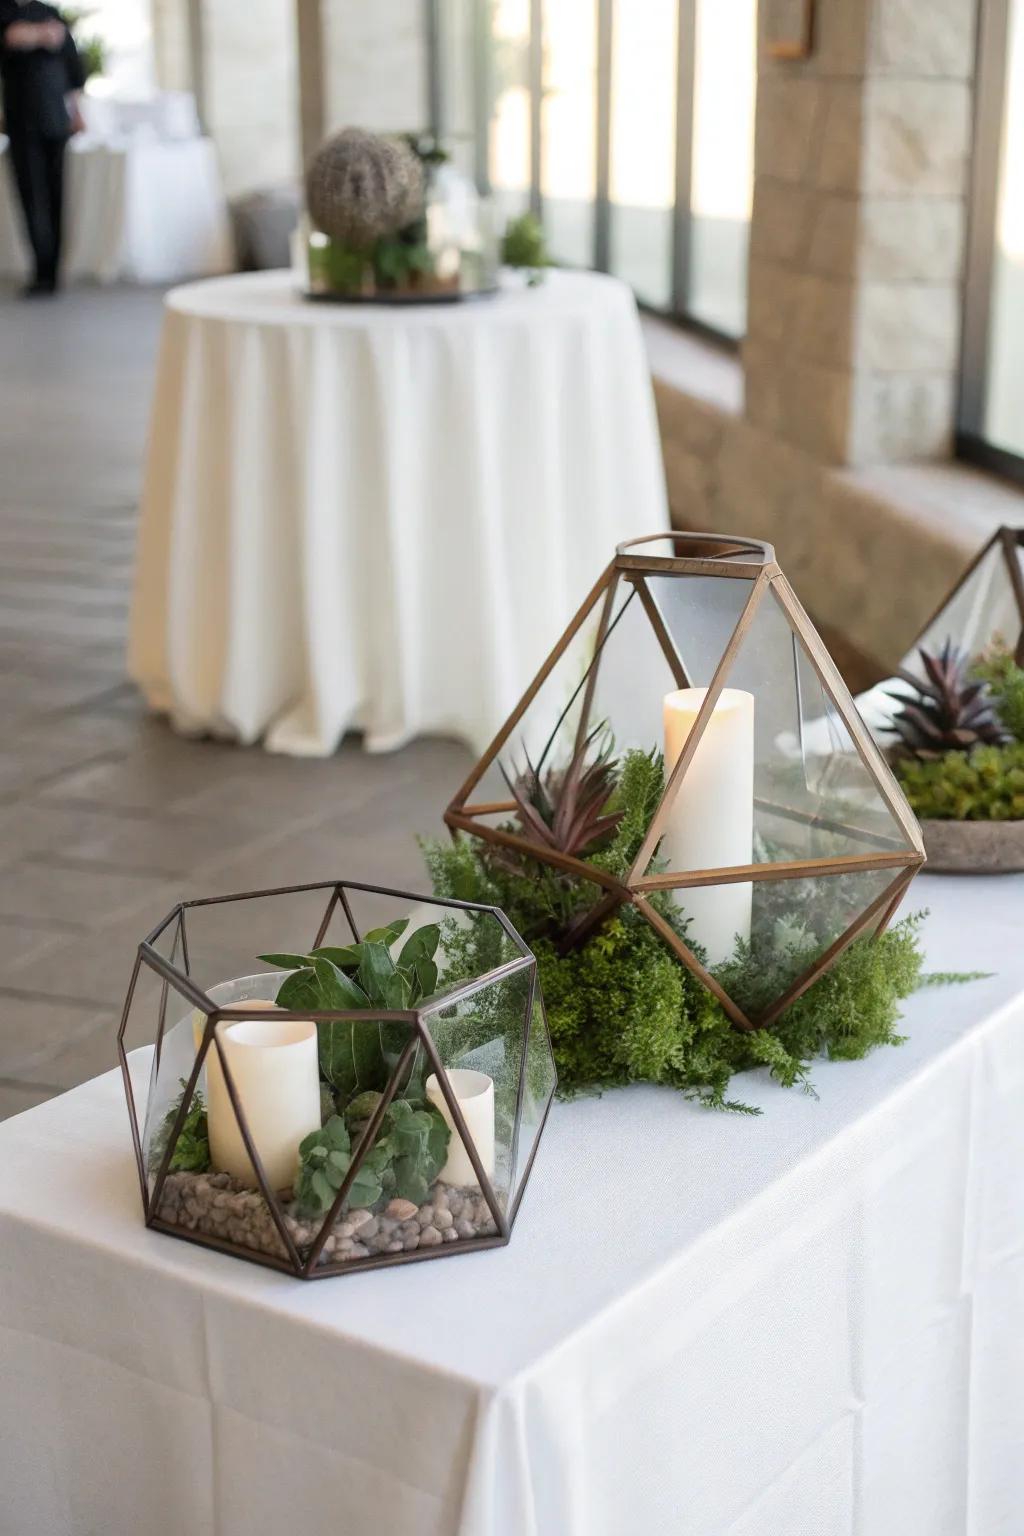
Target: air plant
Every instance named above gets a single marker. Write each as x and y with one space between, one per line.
565 810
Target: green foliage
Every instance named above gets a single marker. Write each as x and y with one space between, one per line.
524 245
353 1057
622 1009
984 785
192 1150
406 1157
1006 685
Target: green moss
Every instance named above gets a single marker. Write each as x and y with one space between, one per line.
1006 684
984 785
622 1009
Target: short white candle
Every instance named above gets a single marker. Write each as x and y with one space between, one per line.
710 824
474 1094
274 1067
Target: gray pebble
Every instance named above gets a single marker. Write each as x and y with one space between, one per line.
465 1228
449 1235
395 1247
443 1218
430 1237
425 1215
411 1242
359 1251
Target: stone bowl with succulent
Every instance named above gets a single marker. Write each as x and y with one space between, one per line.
958 754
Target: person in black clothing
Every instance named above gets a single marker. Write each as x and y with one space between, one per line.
41 74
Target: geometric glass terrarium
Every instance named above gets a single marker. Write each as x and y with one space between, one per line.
986 606
781 835
342 1076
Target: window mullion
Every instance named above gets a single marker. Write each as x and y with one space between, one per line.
990 95
602 169
685 76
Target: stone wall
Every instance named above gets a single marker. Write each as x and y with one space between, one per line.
857 237
870 551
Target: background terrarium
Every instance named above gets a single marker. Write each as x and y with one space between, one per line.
692 827
341 1076
393 220
952 720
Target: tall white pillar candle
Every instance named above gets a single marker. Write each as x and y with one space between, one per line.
710 825
474 1094
273 1065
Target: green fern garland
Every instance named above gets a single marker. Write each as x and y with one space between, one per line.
622 1009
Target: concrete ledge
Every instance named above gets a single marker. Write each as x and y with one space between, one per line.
871 552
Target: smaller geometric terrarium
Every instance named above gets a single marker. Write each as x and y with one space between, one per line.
342 1076
952 719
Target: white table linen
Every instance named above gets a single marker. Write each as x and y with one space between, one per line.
138 209
806 1324
378 517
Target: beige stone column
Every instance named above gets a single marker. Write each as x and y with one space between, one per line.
857 236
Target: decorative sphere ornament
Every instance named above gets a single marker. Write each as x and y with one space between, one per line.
363 186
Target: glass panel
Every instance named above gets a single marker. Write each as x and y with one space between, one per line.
226 939
1003 422
700 614
643 136
779 928
538 1090
568 132
982 612
776 776
509 149
725 77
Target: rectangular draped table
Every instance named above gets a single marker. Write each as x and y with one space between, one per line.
809 1323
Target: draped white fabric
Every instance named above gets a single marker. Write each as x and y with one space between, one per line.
806 1324
382 518
138 210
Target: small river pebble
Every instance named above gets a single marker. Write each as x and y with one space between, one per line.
213 1203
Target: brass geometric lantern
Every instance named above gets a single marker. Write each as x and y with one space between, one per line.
427 1120
781 836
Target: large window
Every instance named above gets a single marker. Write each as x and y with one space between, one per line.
627 125
992 396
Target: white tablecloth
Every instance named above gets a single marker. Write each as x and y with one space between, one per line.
137 210
807 1324
382 517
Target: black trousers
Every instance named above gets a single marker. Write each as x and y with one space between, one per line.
38 166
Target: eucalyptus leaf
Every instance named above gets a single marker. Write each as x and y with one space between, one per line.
388 934
345 959
421 944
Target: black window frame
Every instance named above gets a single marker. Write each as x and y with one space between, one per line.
990 89
482 94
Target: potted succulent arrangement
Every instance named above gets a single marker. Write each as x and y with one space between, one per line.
695 833
952 721
364 1102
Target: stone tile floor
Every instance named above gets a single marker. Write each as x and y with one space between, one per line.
106 817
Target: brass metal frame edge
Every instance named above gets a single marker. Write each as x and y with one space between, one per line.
363 1146
657 623
693 965
832 682
502 736
792 869
828 956
563 861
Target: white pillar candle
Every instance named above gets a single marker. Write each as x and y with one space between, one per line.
474 1094
274 1067
710 824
